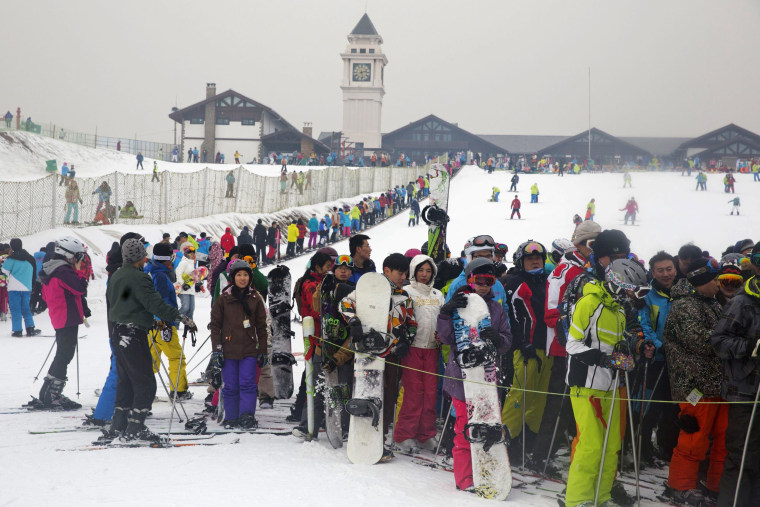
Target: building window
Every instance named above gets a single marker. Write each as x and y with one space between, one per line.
196 121
353 50
222 121
371 51
362 50
247 121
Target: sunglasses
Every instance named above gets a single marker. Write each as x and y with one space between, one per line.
483 240
483 280
250 260
344 260
730 281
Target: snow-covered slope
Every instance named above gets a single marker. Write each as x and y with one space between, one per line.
282 470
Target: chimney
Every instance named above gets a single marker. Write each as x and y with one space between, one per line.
307 145
307 129
210 90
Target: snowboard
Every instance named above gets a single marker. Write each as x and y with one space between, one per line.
484 430
435 214
333 393
279 310
365 434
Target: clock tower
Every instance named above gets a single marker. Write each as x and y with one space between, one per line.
363 86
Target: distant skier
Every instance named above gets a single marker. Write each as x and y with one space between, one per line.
495 194
534 193
230 179
237 157
627 180
515 179
515 208
736 204
8 118
630 208
729 180
155 172
139 161
591 210
701 181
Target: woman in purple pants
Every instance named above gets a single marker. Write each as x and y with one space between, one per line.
239 344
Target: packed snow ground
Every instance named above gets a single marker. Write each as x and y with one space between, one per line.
282 469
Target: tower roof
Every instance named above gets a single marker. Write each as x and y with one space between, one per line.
364 27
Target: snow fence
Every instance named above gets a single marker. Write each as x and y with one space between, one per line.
28 207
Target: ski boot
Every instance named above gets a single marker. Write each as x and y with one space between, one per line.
266 402
31 331
181 395
711 497
137 433
247 421
51 395
118 425
684 497
90 420
620 496
17 334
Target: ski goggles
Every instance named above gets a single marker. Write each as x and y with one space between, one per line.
77 256
755 259
482 240
483 280
344 260
251 261
712 267
533 248
171 257
730 281
501 249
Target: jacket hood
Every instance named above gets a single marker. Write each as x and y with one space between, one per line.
155 267
416 261
227 230
681 289
49 267
752 287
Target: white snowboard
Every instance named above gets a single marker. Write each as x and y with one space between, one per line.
365 441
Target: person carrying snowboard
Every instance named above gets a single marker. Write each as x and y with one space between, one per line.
415 426
515 208
630 208
480 275
736 204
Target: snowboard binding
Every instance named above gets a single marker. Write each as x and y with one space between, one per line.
432 214
486 434
373 342
476 354
371 407
283 358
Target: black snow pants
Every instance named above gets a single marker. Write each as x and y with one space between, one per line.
136 386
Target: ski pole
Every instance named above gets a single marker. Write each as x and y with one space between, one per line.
196 352
176 384
77 347
633 440
525 382
199 363
744 451
606 438
45 361
556 426
641 411
445 423
161 378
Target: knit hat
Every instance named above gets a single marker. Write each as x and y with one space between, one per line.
162 252
246 250
702 271
586 230
16 244
235 266
412 252
479 266
132 251
611 242
731 264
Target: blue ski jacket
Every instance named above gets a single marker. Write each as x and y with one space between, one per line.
161 276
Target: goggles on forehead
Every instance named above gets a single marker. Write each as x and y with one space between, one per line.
165 257
731 281
532 248
250 260
755 259
711 267
344 260
501 249
484 280
483 240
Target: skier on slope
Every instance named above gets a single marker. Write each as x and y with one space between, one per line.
480 278
736 203
515 208
495 194
514 181
534 193
630 208
187 287
133 301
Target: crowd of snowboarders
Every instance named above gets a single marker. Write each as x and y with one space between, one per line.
655 357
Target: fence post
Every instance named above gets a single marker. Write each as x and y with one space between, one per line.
205 191
237 191
116 195
165 197
54 178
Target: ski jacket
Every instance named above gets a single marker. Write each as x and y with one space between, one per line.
229 315
452 383
216 259
734 340
416 207
271 236
227 240
534 189
139 157
556 285
515 179
292 233
652 317
308 307
134 300
369 267
186 267
21 269
63 290
104 193
591 207
355 213
692 361
499 295
259 234
245 238
328 221
410 189
313 224
401 321
162 281
631 207
515 203
323 227
598 322
64 170
427 304
301 231
345 219
72 193
526 297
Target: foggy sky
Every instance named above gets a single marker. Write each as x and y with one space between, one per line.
658 67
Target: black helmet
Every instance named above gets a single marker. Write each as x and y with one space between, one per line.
526 249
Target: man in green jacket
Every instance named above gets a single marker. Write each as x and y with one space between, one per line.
133 301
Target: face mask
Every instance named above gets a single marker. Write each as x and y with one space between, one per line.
536 271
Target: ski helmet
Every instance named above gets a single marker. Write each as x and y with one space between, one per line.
526 249
560 247
237 265
479 266
71 248
626 274
482 243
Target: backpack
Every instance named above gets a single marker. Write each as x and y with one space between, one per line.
297 293
566 307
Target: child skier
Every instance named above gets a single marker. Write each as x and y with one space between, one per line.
481 277
630 208
736 203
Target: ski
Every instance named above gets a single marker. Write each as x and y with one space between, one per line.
435 214
333 390
151 446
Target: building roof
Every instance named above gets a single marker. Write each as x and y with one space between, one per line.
719 136
521 145
599 139
292 136
735 147
364 27
488 145
659 146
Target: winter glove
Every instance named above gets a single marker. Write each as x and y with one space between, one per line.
688 423
214 376
528 353
458 300
401 349
355 328
185 286
199 287
329 365
591 357
189 324
492 335
217 360
617 361
263 360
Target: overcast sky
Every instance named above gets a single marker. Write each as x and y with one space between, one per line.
658 68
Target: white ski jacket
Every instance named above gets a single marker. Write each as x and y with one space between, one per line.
427 304
185 267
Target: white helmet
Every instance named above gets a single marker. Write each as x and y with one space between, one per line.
563 246
71 248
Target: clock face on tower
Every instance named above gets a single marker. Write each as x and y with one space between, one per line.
361 72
